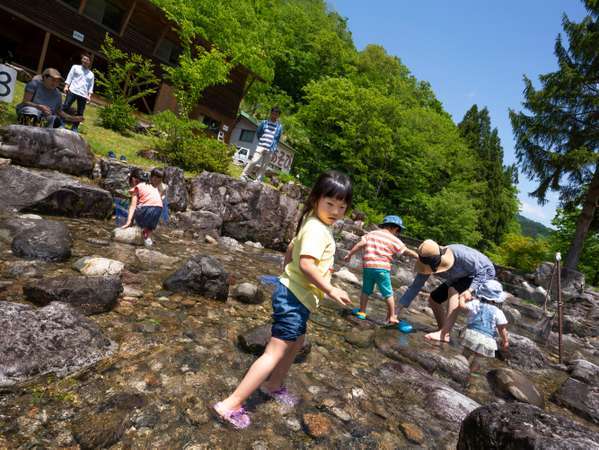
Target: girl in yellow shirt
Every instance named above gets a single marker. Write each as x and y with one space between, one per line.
303 284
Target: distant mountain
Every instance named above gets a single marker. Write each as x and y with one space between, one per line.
531 228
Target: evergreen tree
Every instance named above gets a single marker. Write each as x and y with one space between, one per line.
557 144
498 201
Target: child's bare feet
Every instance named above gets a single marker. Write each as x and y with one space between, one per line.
439 336
392 320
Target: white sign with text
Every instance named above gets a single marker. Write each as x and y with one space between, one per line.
8 80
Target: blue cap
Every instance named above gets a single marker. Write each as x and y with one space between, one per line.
393 220
492 291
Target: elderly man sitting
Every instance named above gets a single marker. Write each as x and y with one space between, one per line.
42 100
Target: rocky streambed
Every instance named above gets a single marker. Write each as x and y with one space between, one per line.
106 344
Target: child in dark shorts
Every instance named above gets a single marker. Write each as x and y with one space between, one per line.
306 278
146 205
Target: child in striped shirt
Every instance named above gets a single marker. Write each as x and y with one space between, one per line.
379 248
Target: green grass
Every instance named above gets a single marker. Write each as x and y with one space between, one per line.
102 140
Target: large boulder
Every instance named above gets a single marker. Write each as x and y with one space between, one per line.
46 148
580 398
250 211
177 194
450 405
200 274
50 192
524 353
510 384
584 371
518 426
115 176
202 222
90 295
41 239
55 339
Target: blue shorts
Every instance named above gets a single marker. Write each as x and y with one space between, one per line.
289 315
380 277
147 217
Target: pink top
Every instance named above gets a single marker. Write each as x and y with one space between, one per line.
380 248
147 195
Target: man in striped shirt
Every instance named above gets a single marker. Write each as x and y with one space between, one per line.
379 248
268 133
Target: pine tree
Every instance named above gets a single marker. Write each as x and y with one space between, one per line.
498 201
557 144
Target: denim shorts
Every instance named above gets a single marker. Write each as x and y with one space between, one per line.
147 217
380 277
289 315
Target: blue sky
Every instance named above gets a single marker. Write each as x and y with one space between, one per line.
471 51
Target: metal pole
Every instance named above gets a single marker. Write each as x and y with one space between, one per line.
560 306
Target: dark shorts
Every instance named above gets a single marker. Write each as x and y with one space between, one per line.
147 217
441 294
289 315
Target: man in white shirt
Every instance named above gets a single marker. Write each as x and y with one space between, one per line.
79 86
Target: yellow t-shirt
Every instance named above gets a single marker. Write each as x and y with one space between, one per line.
316 240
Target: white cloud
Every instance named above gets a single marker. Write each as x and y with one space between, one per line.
471 94
534 211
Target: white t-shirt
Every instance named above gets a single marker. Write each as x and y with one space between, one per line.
80 81
484 317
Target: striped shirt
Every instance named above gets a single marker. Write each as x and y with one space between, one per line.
380 247
268 136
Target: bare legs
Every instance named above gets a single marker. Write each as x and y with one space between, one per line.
363 302
444 321
274 363
391 315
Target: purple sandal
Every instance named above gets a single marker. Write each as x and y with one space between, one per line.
281 395
239 419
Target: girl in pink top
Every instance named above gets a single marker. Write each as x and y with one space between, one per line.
146 205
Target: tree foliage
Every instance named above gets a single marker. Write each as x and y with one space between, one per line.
498 202
557 141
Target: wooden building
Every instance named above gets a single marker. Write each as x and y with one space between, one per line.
36 34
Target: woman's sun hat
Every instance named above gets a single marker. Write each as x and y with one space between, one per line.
491 291
393 220
433 259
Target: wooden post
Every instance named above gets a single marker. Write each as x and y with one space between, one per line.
82 6
128 18
560 306
40 63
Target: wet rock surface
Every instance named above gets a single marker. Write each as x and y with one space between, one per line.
520 426
254 341
90 295
510 384
177 195
200 274
248 293
580 398
54 339
46 148
97 266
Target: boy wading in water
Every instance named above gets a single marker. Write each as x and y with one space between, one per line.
379 247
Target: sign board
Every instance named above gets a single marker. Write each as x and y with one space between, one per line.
225 128
8 80
78 36
282 160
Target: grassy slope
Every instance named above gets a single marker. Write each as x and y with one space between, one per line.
100 139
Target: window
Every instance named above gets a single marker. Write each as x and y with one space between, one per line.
108 12
72 3
247 136
213 125
168 51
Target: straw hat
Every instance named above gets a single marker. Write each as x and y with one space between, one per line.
429 249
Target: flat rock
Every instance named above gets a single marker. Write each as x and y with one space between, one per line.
55 339
580 398
90 295
129 235
230 244
450 405
152 258
248 293
254 341
200 274
439 360
510 384
522 426
47 148
50 192
524 353
98 266
360 338
45 240
349 277
584 371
